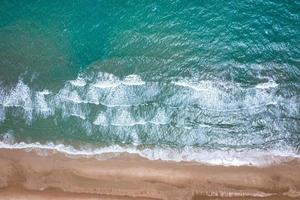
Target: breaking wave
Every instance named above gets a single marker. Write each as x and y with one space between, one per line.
207 115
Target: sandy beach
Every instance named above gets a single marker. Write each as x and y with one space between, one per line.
36 175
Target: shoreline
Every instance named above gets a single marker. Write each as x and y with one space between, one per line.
33 175
225 158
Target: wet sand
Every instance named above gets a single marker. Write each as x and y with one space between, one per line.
36 175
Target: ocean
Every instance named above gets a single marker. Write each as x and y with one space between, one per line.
210 81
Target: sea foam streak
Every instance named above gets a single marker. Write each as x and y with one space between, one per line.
267 85
133 80
201 86
113 82
106 84
78 82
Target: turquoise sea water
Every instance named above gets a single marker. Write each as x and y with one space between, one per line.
177 74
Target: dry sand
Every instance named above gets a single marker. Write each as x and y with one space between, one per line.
31 175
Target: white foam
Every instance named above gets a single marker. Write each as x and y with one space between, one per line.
109 90
8 137
66 94
2 95
20 96
41 104
74 96
81 116
267 85
135 138
2 108
207 94
92 95
228 158
133 80
78 82
2 113
107 81
45 92
125 119
193 85
204 126
106 84
101 120
223 96
160 118
73 110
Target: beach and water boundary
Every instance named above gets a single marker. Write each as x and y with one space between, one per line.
172 100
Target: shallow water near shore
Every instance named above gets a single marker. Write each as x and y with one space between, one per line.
215 82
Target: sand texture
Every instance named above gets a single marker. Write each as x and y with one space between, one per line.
35 175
